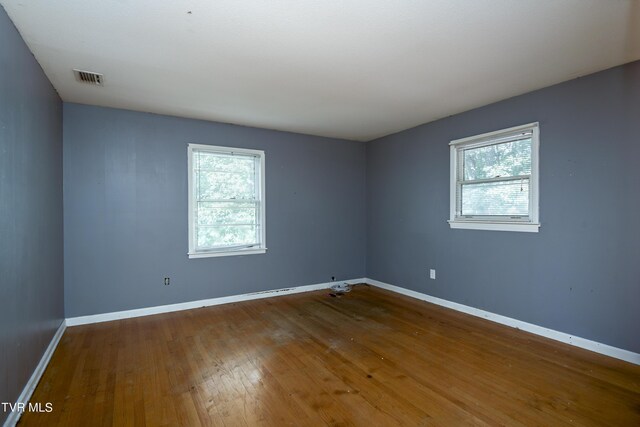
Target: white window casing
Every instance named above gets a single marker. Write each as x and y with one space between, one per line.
209 191
500 217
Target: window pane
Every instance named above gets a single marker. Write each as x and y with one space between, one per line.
223 162
499 160
221 213
209 237
213 185
496 198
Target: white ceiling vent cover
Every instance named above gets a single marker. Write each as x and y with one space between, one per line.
89 77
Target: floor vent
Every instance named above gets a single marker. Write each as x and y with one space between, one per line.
89 77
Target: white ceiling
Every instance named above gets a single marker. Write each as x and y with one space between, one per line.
354 69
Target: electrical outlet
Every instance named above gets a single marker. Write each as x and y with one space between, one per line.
167 281
432 273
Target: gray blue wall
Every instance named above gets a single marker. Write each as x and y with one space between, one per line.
31 264
581 273
125 210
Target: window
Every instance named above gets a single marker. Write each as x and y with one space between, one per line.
226 201
494 180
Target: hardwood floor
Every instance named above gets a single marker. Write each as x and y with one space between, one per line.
370 357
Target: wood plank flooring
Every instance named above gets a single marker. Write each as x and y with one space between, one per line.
368 358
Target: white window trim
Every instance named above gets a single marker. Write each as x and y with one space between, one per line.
533 224
192 253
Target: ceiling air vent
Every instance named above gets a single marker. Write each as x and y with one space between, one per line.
89 77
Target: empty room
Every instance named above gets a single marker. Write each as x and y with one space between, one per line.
308 213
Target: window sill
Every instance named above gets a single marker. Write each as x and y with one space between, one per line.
227 253
495 226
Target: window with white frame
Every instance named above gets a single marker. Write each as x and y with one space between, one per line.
494 180
226 201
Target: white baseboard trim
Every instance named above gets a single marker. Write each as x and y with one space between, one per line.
594 346
106 317
29 388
